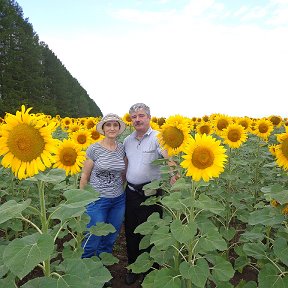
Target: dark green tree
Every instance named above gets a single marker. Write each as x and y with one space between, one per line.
21 70
31 74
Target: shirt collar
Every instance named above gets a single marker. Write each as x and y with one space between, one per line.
148 132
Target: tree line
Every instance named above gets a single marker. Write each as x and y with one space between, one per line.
31 74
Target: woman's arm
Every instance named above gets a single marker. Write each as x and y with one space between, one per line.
124 172
86 172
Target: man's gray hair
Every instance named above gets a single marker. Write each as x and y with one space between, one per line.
134 108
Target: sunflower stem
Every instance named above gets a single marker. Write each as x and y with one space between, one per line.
76 180
193 194
12 184
257 172
228 198
44 222
31 223
191 243
177 246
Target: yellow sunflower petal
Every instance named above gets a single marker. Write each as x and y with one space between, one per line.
22 171
7 160
27 138
15 165
204 158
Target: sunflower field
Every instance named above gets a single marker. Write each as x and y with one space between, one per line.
225 215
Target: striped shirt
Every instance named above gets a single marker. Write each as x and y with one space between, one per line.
106 175
140 155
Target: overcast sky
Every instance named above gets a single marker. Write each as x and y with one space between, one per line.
188 57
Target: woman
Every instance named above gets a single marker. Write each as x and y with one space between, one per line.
104 169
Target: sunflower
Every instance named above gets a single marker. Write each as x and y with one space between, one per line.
127 119
274 203
204 127
82 138
193 124
272 149
205 157
154 119
73 128
154 126
56 121
82 122
48 117
205 118
234 135
263 128
161 121
158 121
282 136
281 151
69 157
220 123
245 122
198 120
174 134
26 143
91 122
95 135
276 120
285 210
66 122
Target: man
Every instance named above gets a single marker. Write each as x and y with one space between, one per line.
142 148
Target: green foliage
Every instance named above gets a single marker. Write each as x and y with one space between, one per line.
212 230
48 213
23 254
11 209
209 231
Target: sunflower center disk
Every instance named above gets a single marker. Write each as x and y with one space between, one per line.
161 121
25 142
173 137
95 135
263 128
90 124
68 156
244 124
222 124
234 135
275 120
202 158
82 139
205 129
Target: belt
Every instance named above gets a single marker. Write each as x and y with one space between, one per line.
139 189
136 187
131 188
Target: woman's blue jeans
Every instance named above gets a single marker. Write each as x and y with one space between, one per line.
107 210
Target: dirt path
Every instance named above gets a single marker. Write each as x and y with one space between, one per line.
118 270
